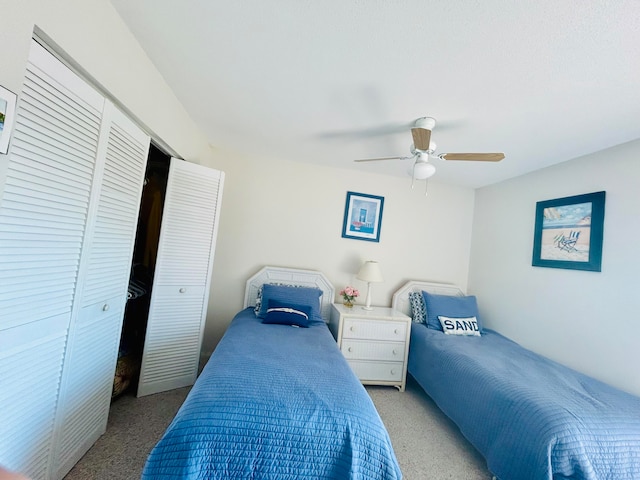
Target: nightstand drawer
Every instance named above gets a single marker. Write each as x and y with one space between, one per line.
374 329
367 350
380 371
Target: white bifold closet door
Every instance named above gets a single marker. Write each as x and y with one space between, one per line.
43 214
68 215
182 279
101 295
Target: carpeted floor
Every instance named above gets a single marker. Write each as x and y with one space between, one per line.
426 443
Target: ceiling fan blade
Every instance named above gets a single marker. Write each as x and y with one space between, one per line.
421 138
473 157
367 132
381 158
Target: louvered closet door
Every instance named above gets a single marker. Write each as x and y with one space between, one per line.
43 212
94 336
182 278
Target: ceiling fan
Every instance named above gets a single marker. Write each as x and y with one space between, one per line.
423 147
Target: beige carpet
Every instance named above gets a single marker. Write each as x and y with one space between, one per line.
427 444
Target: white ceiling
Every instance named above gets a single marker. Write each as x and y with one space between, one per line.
330 81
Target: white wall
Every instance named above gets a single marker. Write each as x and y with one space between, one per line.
92 34
290 214
273 212
586 320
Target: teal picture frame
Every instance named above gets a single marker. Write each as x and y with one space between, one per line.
362 217
569 232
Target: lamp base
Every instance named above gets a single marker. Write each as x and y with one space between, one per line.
367 308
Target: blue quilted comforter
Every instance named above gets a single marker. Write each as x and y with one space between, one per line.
275 402
530 417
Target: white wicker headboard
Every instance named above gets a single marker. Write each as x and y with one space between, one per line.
400 299
295 276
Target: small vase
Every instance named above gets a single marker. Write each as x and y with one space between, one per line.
348 303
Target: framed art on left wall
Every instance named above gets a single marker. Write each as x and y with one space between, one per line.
7 117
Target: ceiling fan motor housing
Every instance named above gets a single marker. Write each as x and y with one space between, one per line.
425 122
431 149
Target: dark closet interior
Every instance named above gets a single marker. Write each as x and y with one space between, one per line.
142 269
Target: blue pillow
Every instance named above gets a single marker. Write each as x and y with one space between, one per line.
293 296
449 306
287 314
259 295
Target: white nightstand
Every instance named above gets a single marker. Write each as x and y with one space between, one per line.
374 342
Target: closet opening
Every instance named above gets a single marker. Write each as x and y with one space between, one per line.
143 264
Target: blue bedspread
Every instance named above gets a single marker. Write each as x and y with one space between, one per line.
275 402
530 417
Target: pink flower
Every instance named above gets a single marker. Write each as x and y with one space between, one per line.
349 293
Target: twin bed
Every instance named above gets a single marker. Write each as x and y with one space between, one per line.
276 402
279 402
531 418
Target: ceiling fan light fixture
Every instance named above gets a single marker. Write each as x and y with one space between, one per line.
422 169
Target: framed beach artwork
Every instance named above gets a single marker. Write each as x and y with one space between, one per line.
362 217
568 232
7 117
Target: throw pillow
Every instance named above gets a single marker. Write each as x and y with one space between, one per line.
418 310
307 296
459 326
287 314
450 306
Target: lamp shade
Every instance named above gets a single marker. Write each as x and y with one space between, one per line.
370 272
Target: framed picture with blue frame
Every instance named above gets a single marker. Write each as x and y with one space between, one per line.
568 232
362 217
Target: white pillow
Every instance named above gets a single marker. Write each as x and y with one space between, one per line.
459 326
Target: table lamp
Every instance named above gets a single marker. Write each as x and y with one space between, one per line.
370 273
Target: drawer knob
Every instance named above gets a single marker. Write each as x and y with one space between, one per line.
395 331
393 371
182 290
352 328
349 349
105 307
395 352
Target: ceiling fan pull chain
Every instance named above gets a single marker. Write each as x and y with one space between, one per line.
413 175
426 187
